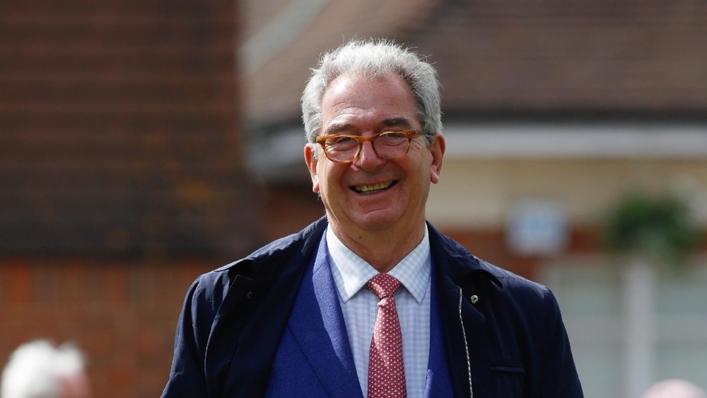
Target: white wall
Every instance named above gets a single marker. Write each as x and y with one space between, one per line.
477 193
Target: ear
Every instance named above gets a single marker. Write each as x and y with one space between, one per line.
437 149
311 159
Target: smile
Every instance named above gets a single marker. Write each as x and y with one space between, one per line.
370 189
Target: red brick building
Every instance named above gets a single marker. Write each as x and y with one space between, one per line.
120 176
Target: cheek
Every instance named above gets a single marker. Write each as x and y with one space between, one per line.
332 175
326 180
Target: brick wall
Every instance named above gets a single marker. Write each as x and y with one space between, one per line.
119 129
122 314
290 207
119 159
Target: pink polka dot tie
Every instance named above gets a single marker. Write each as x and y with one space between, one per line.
386 371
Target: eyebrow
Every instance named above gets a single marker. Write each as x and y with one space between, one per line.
337 127
402 122
398 122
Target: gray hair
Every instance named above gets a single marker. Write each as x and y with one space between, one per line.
36 369
371 59
674 388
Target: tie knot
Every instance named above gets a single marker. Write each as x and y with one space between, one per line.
383 285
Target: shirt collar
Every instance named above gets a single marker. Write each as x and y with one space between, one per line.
413 271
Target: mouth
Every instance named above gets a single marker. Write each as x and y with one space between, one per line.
373 188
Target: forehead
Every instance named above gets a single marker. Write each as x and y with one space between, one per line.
366 102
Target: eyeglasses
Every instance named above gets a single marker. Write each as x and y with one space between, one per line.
345 148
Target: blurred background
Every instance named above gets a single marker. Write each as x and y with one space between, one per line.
145 142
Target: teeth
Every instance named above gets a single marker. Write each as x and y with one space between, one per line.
372 188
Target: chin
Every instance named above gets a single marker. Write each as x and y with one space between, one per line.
375 222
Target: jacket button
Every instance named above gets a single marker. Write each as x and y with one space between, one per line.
474 299
249 295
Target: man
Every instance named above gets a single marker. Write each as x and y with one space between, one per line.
370 301
39 370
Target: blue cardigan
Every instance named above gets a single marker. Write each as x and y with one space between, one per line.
508 341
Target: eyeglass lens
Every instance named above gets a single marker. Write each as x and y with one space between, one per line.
386 146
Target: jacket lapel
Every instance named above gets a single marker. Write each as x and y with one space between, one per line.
246 331
317 324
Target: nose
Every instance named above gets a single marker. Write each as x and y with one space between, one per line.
367 158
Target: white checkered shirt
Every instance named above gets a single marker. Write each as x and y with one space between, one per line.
360 308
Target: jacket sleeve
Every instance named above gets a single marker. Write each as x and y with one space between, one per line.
187 377
558 374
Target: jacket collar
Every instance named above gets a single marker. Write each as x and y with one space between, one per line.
460 265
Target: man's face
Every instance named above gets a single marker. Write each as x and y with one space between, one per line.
373 194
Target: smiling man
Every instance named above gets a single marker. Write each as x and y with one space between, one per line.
370 300
374 200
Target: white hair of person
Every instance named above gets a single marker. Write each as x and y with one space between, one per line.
372 59
674 388
36 370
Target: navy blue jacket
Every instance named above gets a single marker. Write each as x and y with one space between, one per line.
503 334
